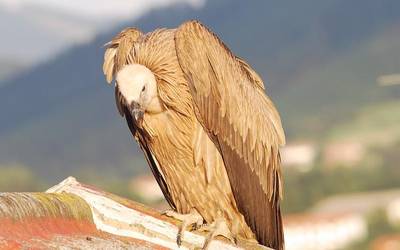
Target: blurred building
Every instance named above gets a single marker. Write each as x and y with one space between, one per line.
393 212
388 80
347 153
299 155
386 242
361 203
323 231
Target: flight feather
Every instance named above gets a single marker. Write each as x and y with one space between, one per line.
232 106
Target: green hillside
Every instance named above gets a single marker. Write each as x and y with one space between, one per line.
324 95
375 125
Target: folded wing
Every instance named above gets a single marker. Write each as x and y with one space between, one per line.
243 123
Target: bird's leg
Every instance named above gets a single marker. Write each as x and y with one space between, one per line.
193 218
217 228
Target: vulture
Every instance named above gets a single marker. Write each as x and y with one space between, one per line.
210 134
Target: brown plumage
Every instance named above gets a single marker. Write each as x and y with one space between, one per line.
215 145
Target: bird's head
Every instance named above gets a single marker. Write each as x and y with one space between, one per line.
138 86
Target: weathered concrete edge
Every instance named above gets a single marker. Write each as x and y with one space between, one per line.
122 217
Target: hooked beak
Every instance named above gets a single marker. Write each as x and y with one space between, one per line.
137 112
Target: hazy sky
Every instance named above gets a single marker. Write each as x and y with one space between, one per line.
97 9
38 29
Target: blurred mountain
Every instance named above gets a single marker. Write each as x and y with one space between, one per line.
319 59
9 68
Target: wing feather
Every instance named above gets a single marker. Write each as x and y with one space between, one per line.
232 106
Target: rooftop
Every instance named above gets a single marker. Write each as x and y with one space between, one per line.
75 215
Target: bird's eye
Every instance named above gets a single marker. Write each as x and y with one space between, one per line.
144 88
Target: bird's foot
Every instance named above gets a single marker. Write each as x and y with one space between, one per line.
192 219
217 228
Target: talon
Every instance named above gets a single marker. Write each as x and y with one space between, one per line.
193 219
179 239
169 213
217 228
